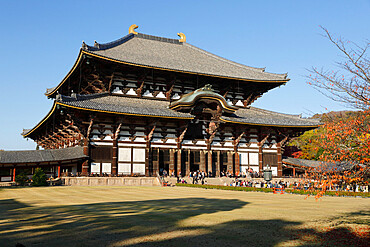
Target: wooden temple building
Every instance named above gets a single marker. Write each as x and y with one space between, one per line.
142 105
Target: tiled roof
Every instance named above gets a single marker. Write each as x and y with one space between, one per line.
118 104
158 52
157 108
321 165
38 156
258 116
50 90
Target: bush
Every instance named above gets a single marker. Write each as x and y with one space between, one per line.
220 187
268 190
39 178
21 179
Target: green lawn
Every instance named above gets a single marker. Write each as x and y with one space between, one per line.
177 216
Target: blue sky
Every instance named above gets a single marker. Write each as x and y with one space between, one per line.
40 40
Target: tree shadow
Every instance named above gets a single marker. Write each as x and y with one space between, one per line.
154 223
100 223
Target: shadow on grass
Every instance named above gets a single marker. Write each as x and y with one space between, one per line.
168 222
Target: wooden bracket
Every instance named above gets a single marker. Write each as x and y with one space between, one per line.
237 140
89 128
263 140
169 92
181 137
150 135
139 91
116 134
284 140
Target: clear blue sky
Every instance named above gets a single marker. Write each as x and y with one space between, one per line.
40 40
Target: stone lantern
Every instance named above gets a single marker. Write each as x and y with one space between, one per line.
267 173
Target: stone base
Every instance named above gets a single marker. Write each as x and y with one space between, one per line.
110 181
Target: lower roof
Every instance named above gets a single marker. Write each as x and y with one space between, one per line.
147 107
126 105
256 116
321 165
106 103
40 156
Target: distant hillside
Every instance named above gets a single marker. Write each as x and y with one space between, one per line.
335 114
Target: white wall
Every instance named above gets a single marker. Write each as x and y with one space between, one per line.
243 159
139 169
124 169
253 158
139 155
124 154
106 168
95 167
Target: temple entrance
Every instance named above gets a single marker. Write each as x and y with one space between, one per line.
194 161
220 163
223 163
184 160
164 161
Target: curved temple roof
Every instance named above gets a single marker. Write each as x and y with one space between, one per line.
170 54
320 165
206 92
256 116
106 103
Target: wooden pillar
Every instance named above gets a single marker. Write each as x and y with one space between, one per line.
85 164
237 163
115 157
230 162
179 162
209 157
260 158
187 164
59 170
156 162
279 160
218 163
172 162
202 165
293 171
13 174
147 159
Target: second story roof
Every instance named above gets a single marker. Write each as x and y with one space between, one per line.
171 54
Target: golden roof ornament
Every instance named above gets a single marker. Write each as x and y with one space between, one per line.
132 29
182 37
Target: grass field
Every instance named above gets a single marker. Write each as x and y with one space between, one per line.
177 216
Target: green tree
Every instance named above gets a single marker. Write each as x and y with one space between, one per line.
21 179
39 178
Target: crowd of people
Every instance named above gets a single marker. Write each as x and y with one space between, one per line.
199 177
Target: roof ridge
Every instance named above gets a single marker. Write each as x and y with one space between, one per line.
98 47
158 38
